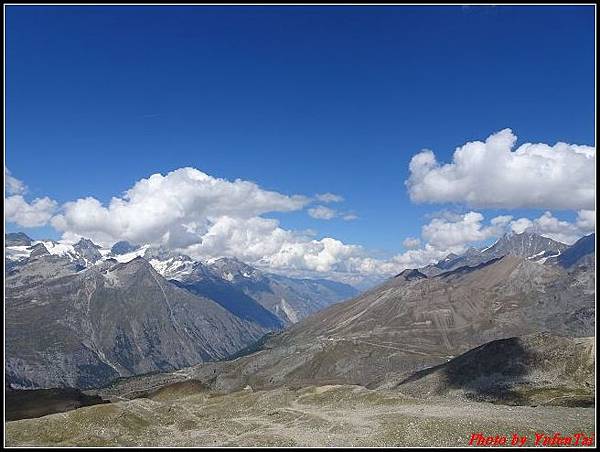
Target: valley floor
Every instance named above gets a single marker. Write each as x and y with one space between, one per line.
183 415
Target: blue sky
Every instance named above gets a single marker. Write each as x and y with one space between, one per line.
300 100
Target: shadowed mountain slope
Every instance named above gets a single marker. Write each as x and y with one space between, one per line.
533 369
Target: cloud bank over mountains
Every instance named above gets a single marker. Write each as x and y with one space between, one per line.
16 210
174 210
490 175
204 216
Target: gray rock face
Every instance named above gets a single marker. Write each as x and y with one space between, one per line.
409 324
234 270
88 250
74 328
290 299
526 244
410 275
294 299
17 239
238 286
123 247
204 282
581 253
38 250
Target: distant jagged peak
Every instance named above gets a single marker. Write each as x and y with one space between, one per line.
449 257
411 274
88 250
472 251
135 265
163 253
86 243
231 268
105 264
529 234
123 247
17 239
38 250
526 244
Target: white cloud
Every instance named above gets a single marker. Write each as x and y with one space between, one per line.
421 257
17 210
448 233
262 242
172 210
444 234
586 220
490 175
29 215
329 197
207 217
326 213
411 243
12 185
322 213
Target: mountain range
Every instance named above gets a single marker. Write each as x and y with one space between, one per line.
81 315
526 244
95 321
411 323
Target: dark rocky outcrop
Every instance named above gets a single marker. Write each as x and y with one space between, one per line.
539 369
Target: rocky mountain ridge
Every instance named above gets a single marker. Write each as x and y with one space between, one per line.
526 244
289 299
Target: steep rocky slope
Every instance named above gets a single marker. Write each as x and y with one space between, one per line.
290 299
66 327
581 253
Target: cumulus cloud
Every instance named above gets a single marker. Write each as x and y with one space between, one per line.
444 234
29 215
206 217
17 210
329 197
491 175
423 256
262 242
586 220
172 210
12 185
322 213
411 243
326 213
